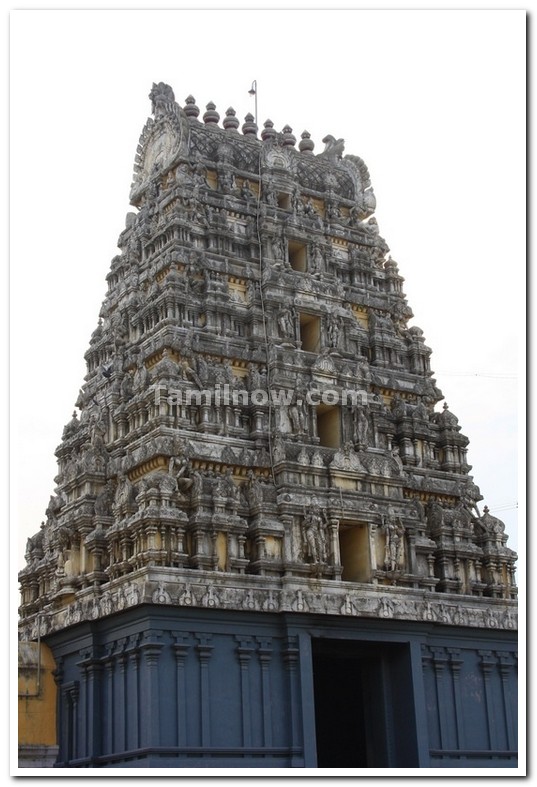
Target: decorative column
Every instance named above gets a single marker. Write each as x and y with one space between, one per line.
93 707
132 695
333 529
181 648
506 665
372 532
120 735
205 416
314 432
290 660
440 661
84 530
455 663
287 521
205 649
264 653
259 551
73 721
57 674
80 721
442 562
479 575
245 649
108 739
121 427
411 541
229 550
150 649
258 419
241 541
488 662
416 446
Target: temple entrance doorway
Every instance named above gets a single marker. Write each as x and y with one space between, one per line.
364 710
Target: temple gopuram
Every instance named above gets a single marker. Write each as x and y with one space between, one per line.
264 547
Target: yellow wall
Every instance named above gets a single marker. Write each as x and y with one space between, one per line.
37 696
221 551
354 546
310 332
329 425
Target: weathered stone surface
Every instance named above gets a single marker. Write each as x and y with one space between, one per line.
254 269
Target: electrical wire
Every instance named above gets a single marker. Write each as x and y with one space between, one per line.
506 507
478 374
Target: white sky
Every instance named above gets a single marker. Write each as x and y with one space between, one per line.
433 101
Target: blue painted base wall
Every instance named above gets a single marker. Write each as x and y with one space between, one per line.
169 687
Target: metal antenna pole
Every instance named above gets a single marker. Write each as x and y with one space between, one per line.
253 92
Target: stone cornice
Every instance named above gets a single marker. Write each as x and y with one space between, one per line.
209 590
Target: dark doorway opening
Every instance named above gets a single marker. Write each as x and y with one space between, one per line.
364 711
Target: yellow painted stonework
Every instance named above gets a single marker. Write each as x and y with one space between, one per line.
344 482
273 547
238 286
212 179
361 314
157 463
221 551
161 275
355 558
318 204
37 695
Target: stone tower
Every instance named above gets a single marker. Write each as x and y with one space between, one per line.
261 521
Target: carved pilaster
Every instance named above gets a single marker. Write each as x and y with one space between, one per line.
244 651
333 530
290 659
181 647
455 664
264 653
150 649
372 533
487 664
506 666
439 663
109 727
204 650
73 695
121 660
